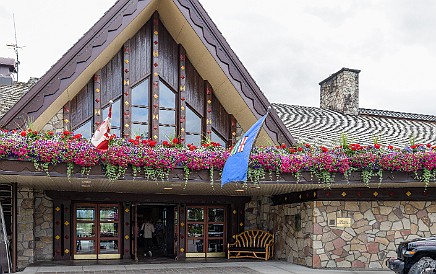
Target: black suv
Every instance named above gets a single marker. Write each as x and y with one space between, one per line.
414 257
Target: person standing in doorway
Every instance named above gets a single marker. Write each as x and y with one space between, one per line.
148 230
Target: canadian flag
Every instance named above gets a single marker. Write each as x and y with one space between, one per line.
101 136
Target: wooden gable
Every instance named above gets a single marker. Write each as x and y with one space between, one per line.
190 28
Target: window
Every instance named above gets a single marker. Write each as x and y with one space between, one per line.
140 109
116 117
167 112
193 127
215 137
85 130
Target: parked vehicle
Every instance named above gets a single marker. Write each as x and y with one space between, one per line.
417 256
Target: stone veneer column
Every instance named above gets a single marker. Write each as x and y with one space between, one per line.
43 226
25 232
257 213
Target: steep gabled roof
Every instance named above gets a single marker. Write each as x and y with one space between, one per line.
65 78
324 127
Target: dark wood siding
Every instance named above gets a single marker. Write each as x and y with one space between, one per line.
168 57
140 54
112 79
194 88
81 105
220 118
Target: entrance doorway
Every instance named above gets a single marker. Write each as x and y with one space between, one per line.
162 217
96 231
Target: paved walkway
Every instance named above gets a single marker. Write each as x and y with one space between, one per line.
258 267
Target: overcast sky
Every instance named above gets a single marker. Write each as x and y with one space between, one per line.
287 46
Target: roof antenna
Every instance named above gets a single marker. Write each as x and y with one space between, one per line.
15 47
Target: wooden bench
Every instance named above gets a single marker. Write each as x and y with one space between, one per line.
255 243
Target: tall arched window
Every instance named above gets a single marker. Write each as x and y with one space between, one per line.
116 117
167 112
140 109
193 127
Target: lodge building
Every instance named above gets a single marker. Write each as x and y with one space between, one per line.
170 73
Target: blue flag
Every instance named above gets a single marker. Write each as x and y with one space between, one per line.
236 166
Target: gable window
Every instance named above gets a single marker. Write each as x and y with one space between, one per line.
167 112
85 129
140 109
116 117
193 127
215 137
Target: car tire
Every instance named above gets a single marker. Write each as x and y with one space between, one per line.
420 266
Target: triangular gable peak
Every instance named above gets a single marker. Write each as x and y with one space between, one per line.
190 27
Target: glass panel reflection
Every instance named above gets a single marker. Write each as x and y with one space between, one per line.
116 113
85 213
195 230
139 130
167 98
215 230
196 214
193 121
85 230
108 229
167 133
108 246
140 94
195 246
139 114
85 247
167 117
216 215
193 139
85 130
217 139
215 245
109 213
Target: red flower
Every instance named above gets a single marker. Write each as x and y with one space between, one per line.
152 143
23 133
308 145
50 133
176 141
413 146
300 149
324 149
77 136
428 145
66 133
377 146
283 146
292 150
138 137
390 147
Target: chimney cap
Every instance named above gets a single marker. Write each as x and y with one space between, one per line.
8 62
336 73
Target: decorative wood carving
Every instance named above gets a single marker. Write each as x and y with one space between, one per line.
182 93
127 96
155 79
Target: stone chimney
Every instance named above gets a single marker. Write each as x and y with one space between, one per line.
7 67
340 91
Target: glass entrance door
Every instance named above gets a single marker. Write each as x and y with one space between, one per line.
96 231
206 231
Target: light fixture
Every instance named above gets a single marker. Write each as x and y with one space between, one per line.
239 190
167 188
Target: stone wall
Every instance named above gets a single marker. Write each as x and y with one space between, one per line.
377 228
34 227
293 229
43 227
56 124
25 237
340 92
